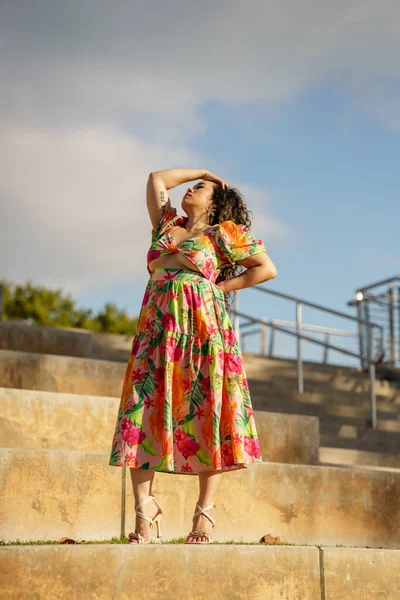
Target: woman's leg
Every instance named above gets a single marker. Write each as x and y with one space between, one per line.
208 484
142 482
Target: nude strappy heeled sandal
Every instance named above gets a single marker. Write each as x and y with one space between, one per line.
196 533
156 519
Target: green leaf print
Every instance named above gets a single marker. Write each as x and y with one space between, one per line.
115 456
189 428
188 417
148 447
203 458
163 464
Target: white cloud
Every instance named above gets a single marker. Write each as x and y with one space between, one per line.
97 94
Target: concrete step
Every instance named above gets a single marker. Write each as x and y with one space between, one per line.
51 372
105 571
333 415
51 420
380 446
333 455
77 494
341 378
360 433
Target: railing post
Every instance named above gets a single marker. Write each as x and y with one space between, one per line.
271 339
391 327
372 394
264 336
300 383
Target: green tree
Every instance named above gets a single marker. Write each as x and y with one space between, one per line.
42 306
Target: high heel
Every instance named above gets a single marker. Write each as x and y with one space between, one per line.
196 533
157 519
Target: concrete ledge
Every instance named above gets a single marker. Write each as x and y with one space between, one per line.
45 339
361 573
48 494
160 571
193 573
49 420
28 371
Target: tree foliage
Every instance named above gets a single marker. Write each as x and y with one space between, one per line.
41 306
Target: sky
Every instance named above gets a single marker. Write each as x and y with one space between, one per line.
296 103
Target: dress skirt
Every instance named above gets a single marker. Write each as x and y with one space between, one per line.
185 406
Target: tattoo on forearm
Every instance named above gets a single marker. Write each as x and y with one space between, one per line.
166 205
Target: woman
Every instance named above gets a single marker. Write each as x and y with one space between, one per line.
185 406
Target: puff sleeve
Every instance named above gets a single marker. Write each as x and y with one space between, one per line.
169 213
237 242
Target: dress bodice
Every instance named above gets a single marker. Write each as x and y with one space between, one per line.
221 244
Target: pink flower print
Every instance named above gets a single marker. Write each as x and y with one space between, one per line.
173 350
168 322
149 323
212 329
221 358
233 363
186 468
252 446
138 375
132 434
169 276
236 438
227 453
199 412
249 411
180 435
190 448
229 336
193 300
148 402
245 383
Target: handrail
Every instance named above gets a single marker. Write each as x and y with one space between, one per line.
318 306
377 283
300 383
299 337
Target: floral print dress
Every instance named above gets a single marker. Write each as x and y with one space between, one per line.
185 404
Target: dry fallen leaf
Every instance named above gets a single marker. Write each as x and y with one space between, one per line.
269 539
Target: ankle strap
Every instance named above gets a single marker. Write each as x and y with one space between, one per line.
151 497
202 511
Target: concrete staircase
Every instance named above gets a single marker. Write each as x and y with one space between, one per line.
339 397
57 418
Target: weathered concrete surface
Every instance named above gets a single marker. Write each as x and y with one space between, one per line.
160 571
361 573
47 494
35 419
45 339
340 456
46 372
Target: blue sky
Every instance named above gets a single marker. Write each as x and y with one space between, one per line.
301 114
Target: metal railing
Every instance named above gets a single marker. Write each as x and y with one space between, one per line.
381 306
370 360
263 330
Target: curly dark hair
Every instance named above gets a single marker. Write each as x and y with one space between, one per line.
229 205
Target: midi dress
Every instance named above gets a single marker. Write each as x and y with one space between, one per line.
185 406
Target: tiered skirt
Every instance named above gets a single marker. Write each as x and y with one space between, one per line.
185 405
